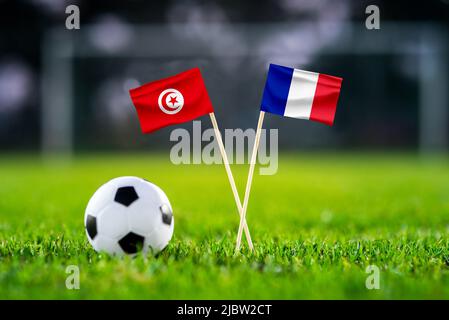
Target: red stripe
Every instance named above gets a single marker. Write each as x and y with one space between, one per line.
325 101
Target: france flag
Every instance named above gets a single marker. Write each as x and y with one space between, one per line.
301 94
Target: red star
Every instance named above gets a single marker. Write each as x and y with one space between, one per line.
173 100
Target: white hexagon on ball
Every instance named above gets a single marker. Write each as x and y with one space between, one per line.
127 215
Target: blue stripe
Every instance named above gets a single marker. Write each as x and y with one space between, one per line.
276 89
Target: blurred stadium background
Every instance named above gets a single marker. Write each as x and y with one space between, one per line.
65 91
325 216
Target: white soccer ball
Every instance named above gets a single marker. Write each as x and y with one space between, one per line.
129 214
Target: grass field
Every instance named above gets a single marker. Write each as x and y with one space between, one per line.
316 225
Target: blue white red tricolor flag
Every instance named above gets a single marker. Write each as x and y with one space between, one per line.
301 94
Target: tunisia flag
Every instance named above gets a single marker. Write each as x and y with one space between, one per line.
177 99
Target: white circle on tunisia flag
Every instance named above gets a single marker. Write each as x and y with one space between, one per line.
171 101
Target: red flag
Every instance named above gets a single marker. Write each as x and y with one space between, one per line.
177 99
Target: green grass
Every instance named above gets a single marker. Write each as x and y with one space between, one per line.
316 224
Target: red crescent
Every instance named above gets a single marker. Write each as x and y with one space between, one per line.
164 98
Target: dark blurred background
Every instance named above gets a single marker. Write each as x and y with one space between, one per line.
67 90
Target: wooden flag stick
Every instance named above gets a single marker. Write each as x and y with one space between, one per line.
250 179
231 180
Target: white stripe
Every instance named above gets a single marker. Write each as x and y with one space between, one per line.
301 94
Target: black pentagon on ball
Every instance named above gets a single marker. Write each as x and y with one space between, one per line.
126 195
131 243
167 215
91 226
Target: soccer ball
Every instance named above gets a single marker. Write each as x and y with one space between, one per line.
127 215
